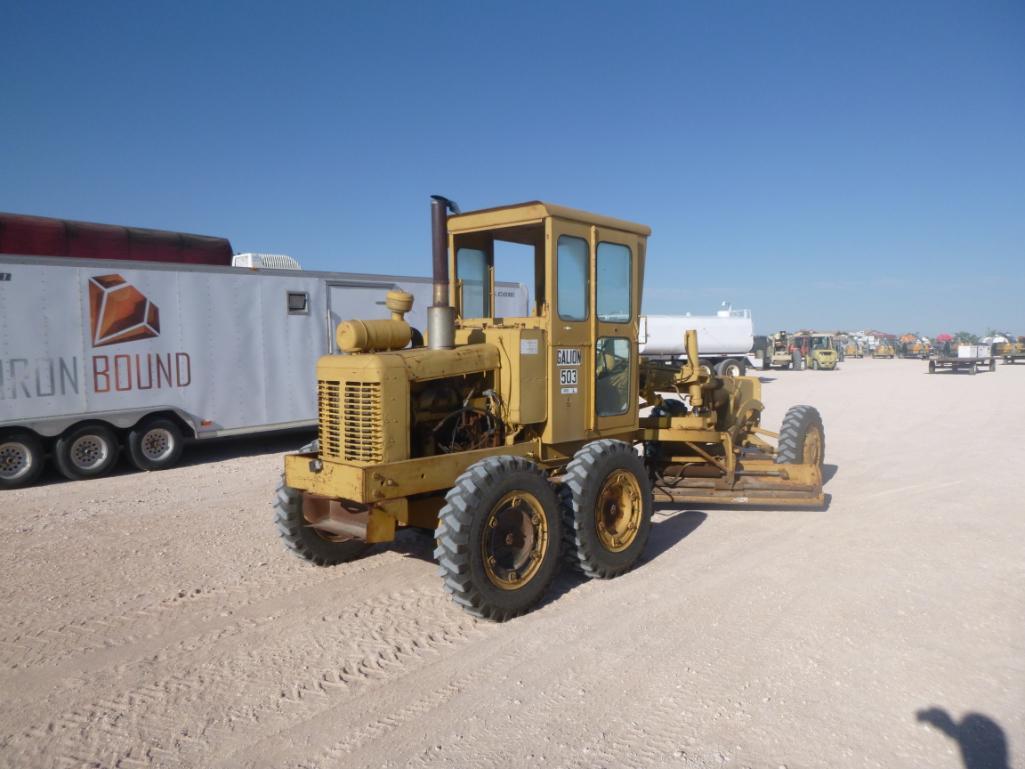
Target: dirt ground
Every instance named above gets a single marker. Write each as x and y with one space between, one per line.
155 620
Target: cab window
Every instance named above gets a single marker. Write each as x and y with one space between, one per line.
472 273
572 278
612 376
613 270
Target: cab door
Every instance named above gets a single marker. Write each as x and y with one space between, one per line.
569 297
616 299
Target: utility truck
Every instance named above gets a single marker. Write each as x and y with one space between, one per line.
97 356
517 439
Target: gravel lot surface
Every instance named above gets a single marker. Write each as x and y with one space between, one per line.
155 620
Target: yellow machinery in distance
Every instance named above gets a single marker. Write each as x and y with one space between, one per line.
520 439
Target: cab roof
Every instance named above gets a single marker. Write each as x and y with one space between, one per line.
535 211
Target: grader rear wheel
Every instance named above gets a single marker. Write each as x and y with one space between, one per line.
802 439
606 508
498 538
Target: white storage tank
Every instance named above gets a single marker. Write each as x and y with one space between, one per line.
729 332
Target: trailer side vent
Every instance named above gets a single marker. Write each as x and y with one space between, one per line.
298 303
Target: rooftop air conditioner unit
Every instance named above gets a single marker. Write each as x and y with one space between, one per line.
265 262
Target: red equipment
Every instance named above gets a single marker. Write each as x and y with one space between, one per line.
42 236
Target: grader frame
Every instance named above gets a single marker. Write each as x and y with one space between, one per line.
491 434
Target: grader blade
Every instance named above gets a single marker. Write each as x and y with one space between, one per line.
757 484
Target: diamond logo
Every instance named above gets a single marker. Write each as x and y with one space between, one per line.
120 312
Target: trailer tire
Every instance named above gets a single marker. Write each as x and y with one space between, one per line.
489 563
87 450
21 458
706 365
155 444
729 367
305 541
932 367
598 474
992 364
797 360
802 439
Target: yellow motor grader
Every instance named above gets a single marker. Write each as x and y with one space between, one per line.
521 441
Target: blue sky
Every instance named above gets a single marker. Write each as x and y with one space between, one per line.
841 165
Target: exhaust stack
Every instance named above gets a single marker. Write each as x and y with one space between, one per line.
441 316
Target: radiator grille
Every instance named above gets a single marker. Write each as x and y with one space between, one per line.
363 428
350 422
329 418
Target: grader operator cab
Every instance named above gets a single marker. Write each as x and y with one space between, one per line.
520 440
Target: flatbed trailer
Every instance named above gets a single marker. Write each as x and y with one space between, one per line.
1013 357
954 364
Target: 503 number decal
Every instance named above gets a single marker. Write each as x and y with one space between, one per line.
567 376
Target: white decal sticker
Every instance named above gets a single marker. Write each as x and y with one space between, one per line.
528 347
567 356
569 391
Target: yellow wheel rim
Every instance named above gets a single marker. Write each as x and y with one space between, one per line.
620 506
514 540
813 447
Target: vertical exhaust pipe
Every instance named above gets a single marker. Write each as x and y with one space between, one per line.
441 316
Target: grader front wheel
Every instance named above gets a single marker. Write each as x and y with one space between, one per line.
606 507
498 538
802 439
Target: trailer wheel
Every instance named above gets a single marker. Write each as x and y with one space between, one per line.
605 498
797 360
992 364
802 439
706 366
932 367
730 367
21 458
498 538
86 451
155 444
305 541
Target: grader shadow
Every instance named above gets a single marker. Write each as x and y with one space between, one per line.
664 535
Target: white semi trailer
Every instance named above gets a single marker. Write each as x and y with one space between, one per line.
97 356
725 340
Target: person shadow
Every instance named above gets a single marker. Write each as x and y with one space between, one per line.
982 742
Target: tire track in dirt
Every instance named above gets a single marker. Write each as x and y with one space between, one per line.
283 679
62 645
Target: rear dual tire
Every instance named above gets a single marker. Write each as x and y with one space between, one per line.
605 497
498 538
502 529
